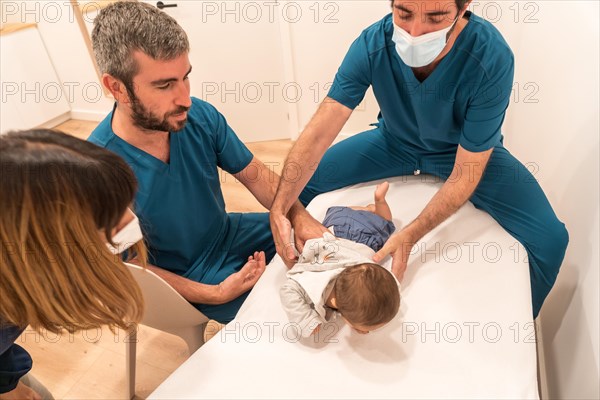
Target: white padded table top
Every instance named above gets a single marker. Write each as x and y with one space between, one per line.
464 329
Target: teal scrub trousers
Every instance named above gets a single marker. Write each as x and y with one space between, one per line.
507 191
253 233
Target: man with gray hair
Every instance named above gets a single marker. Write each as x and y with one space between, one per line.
174 143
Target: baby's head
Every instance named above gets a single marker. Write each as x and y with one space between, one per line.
367 296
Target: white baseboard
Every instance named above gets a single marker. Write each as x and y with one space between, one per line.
83 115
56 121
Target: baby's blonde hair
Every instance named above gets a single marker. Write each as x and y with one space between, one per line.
367 295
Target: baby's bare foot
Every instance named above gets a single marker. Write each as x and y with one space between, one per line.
381 191
381 206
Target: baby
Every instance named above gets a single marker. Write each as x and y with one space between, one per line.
336 273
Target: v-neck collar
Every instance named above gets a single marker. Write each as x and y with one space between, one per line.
148 159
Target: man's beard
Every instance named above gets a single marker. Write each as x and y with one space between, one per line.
145 119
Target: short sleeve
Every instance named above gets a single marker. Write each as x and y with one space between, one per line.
487 108
232 155
354 75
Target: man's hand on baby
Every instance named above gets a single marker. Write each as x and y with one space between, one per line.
305 228
398 246
282 232
243 280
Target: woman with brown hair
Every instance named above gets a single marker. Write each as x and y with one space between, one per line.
64 221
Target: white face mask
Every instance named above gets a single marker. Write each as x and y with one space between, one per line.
421 50
129 235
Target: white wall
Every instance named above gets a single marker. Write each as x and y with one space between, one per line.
313 36
236 55
30 92
553 124
319 42
64 44
73 63
296 46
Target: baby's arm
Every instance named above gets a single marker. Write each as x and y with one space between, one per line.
299 308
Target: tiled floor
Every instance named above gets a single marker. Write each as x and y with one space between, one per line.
91 364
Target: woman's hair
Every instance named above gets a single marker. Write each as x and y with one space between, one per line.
60 199
367 294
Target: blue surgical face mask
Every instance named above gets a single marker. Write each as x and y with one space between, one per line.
419 51
129 235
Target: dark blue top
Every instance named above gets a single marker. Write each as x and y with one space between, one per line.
463 101
14 360
180 204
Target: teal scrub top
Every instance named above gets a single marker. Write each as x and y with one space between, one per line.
180 204
463 101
